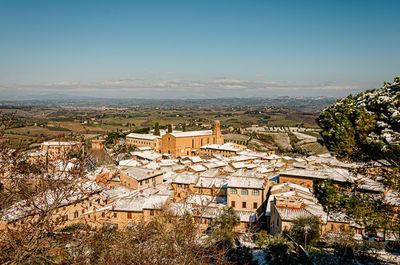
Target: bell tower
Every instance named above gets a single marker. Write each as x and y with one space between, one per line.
219 139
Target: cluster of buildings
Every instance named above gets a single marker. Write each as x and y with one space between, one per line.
197 173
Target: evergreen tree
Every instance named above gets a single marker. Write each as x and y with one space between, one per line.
156 129
184 127
223 226
278 246
305 230
365 127
170 128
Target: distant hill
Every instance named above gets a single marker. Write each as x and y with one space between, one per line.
310 103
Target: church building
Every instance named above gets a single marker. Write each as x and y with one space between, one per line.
189 143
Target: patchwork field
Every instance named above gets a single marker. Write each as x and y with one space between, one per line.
33 124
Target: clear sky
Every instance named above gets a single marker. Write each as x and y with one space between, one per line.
197 49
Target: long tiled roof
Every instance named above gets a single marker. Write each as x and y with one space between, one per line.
191 133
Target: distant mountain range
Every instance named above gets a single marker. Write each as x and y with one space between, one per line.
38 97
85 101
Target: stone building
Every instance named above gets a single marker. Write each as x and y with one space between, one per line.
140 178
139 140
62 150
189 143
246 193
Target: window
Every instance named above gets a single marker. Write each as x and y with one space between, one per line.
243 204
192 143
186 186
115 215
233 191
245 192
140 183
256 192
179 185
153 179
151 212
147 181
208 140
233 204
201 142
103 214
129 215
76 214
255 205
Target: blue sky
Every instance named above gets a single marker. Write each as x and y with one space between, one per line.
197 49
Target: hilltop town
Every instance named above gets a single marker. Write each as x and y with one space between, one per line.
201 173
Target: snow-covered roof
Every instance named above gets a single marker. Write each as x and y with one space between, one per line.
195 159
74 193
291 214
215 164
223 147
150 137
141 173
243 182
336 174
148 155
185 178
242 158
210 173
238 165
370 185
288 194
117 192
392 198
129 163
191 133
37 153
291 186
140 202
198 168
168 162
272 157
59 143
205 182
